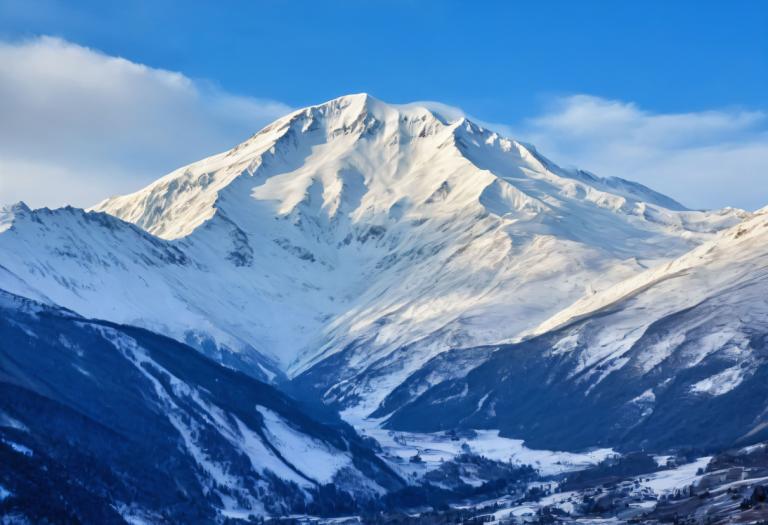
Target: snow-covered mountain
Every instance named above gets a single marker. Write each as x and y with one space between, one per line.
105 268
124 426
676 356
349 243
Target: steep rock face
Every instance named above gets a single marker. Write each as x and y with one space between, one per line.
117 423
357 233
674 357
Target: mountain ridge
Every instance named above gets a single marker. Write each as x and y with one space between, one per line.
676 356
140 427
374 234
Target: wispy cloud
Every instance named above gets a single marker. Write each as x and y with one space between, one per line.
78 125
705 159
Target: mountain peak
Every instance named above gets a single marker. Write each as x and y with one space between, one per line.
9 213
16 207
357 225
357 157
351 106
341 134
335 200
353 100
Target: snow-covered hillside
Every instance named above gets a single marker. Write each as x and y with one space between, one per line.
675 356
119 422
348 243
105 268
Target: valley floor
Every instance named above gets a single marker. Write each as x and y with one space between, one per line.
433 449
728 488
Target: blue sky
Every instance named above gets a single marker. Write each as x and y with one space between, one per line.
673 94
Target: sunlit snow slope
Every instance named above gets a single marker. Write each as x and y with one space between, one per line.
675 356
348 243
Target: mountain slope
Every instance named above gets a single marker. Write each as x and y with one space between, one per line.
348 243
117 423
674 357
102 267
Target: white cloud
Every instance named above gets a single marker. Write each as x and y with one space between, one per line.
78 125
705 159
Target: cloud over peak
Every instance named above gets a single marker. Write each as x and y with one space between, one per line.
706 159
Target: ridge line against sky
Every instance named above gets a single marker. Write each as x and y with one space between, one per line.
84 118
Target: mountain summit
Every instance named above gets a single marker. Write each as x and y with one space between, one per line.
348 243
388 147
